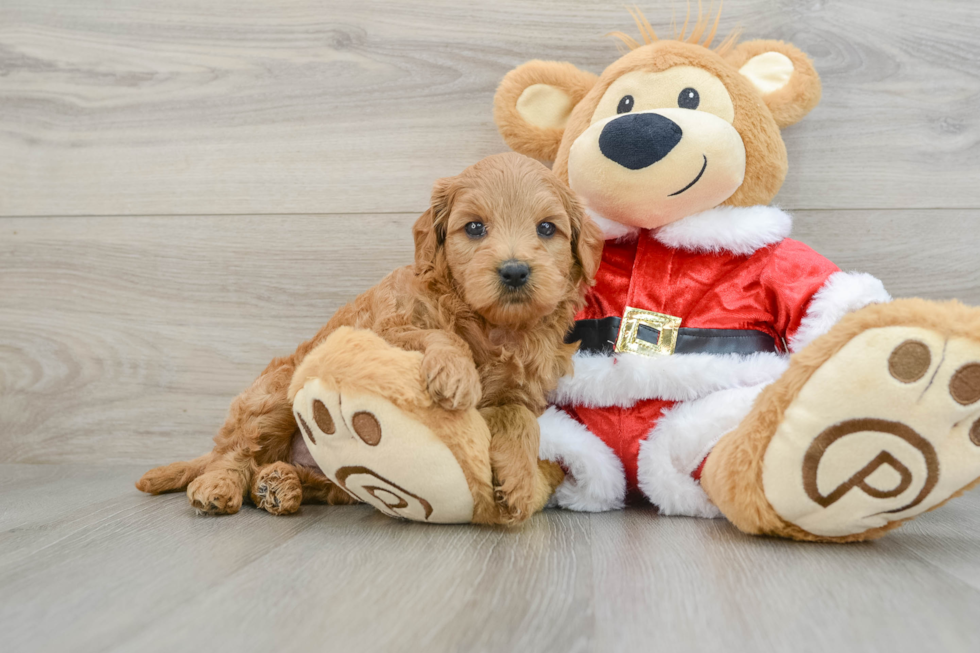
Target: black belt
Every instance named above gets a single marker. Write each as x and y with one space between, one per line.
599 337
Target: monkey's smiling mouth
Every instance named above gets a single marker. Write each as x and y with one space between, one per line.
703 168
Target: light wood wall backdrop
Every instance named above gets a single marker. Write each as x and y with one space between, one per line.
189 188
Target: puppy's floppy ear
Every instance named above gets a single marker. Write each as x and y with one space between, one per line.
784 76
429 231
586 236
533 103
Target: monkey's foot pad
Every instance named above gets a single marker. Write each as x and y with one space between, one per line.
884 430
382 455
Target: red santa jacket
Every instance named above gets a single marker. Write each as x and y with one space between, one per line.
767 290
727 268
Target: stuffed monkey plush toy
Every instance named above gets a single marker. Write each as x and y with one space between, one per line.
685 391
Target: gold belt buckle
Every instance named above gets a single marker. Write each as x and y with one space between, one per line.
667 325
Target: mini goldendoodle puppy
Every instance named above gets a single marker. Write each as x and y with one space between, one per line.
502 260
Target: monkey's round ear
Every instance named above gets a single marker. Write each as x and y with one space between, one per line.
784 76
533 103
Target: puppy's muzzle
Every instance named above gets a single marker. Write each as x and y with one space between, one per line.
638 140
514 274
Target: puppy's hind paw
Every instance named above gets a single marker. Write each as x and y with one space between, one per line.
515 500
277 489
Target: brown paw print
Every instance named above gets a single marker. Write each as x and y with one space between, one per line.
909 363
364 424
381 454
887 428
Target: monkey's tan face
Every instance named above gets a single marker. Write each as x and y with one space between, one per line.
660 147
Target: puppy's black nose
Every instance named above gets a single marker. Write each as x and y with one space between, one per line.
638 140
514 273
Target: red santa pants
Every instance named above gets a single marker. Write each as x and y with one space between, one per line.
622 430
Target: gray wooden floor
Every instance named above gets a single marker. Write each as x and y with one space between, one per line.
188 189
88 564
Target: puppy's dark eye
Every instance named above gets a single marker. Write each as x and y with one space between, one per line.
688 99
625 105
546 229
476 229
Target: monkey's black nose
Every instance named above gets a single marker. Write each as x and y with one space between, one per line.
638 140
514 273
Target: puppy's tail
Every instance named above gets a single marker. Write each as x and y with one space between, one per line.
174 476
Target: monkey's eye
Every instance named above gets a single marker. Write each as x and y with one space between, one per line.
688 99
625 105
546 229
476 230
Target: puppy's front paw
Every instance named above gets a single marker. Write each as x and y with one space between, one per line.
451 379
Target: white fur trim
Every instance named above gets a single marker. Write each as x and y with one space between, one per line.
611 230
683 437
842 293
740 230
624 379
596 480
